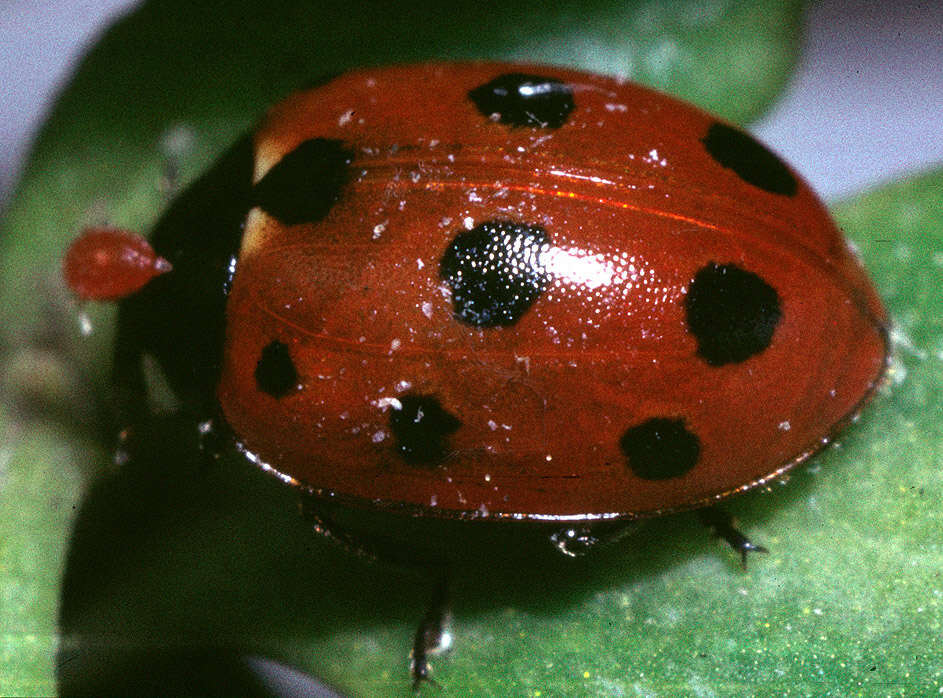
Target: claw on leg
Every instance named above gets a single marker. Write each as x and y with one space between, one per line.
721 523
432 635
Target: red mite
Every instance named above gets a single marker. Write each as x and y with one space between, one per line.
503 292
105 264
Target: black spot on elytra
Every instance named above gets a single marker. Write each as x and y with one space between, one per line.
421 427
750 159
520 99
660 448
731 312
275 372
303 186
495 272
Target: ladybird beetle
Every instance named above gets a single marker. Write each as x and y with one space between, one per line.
507 292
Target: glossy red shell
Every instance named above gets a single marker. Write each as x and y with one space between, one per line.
634 206
106 264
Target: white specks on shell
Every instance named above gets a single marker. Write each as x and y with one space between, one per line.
385 403
653 158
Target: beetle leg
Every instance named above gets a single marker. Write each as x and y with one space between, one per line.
721 523
576 541
347 541
432 636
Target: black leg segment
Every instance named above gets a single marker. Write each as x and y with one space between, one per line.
721 523
432 636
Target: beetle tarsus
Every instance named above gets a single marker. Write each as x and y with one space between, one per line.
420 670
722 524
432 635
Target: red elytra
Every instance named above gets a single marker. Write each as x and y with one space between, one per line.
487 290
109 264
